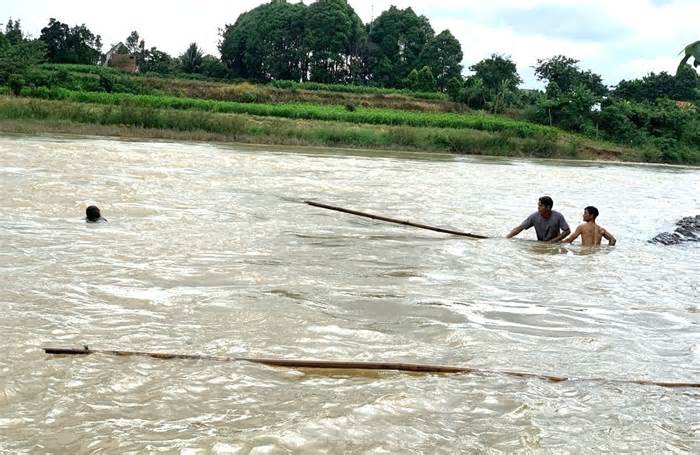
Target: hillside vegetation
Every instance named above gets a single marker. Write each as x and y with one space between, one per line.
392 83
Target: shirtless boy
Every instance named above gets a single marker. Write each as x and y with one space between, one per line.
591 234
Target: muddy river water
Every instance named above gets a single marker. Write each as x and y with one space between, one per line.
208 250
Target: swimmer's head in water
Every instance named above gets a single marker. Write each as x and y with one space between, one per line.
92 213
590 213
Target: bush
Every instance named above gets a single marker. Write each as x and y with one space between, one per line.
106 83
16 82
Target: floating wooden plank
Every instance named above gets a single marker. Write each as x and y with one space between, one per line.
353 365
392 220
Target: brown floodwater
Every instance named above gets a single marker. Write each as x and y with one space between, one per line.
208 250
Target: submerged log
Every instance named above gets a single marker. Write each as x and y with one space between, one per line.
353 365
392 220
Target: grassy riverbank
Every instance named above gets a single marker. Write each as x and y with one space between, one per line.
85 99
27 115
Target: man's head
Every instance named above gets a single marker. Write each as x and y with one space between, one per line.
92 213
590 213
544 205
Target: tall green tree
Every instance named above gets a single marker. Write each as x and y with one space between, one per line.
70 44
496 71
191 59
396 39
335 41
564 73
443 55
266 43
13 32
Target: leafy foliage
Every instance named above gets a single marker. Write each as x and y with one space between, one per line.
266 43
396 39
421 81
563 74
682 86
327 42
496 70
191 59
335 41
17 60
443 55
13 32
66 44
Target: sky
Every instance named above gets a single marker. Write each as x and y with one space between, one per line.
618 39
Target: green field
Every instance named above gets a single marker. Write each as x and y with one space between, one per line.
85 99
303 111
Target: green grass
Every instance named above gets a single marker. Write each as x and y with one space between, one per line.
89 78
304 111
38 115
362 89
286 85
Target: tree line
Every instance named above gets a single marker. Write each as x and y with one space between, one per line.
327 42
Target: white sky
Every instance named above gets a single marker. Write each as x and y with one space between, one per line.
615 38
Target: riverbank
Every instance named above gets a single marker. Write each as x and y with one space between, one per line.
93 100
37 116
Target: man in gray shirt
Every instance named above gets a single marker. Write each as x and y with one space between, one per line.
550 226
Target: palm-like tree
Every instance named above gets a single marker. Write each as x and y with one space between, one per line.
191 60
691 50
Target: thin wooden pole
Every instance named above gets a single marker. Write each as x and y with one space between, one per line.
353 365
392 220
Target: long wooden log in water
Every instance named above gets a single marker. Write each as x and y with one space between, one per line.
353 365
392 220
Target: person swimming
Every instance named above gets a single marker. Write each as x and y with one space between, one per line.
591 233
92 215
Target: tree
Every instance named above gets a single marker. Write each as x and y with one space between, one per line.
454 87
396 40
191 59
156 61
682 86
443 54
137 47
335 41
496 70
571 110
70 45
473 93
133 43
13 32
212 67
16 60
502 97
692 50
564 73
421 81
266 43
